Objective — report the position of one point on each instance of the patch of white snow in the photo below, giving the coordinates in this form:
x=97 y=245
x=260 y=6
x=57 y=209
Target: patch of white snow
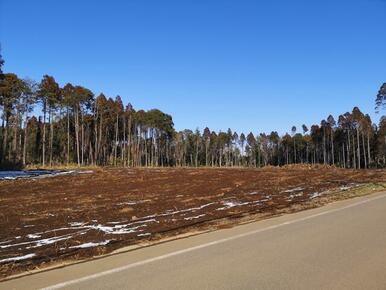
x=19 y=258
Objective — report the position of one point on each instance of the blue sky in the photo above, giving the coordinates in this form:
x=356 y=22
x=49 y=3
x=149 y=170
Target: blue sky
x=248 y=65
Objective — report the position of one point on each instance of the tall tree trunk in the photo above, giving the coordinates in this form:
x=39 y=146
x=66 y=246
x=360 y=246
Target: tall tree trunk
x=25 y=140
x=358 y=149
x=2 y=153
x=196 y=157
x=348 y=165
x=68 y=136
x=220 y=158
x=124 y=143
x=77 y=134
x=82 y=137
x=324 y=147
x=129 y=143
x=206 y=153
x=14 y=141
x=100 y=138
x=364 y=150
x=354 y=153
x=307 y=160
x=116 y=141
x=332 y=147
x=349 y=160
x=44 y=136
x=287 y=154
x=294 y=151
x=368 y=148
x=51 y=121
x=344 y=159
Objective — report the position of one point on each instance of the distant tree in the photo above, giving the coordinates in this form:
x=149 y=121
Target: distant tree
x=1 y=66
x=380 y=101
x=82 y=101
x=357 y=117
x=251 y=140
x=325 y=129
x=316 y=138
x=229 y=144
x=213 y=148
x=10 y=92
x=368 y=132
x=118 y=111
x=222 y=139
x=68 y=100
x=236 y=156
x=197 y=141
x=49 y=94
x=305 y=130
x=293 y=131
x=101 y=114
x=206 y=137
x=129 y=116
x=105 y=131
x=286 y=141
x=331 y=124
x=242 y=143
x=26 y=106
x=381 y=143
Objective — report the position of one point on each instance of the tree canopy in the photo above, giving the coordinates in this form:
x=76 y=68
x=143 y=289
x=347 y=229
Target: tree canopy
x=43 y=123
x=380 y=101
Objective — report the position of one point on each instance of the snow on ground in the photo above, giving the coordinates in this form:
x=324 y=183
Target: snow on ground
x=315 y=195
x=133 y=202
x=52 y=240
x=127 y=203
x=230 y=204
x=82 y=228
x=136 y=226
x=32 y=236
x=292 y=196
x=42 y=242
x=194 y=217
x=293 y=190
x=117 y=229
x=4 y=242
x=318 y=194
x=192 y=209
x=13 y=259
x=348 y=186
x=76 y=224
x=144 y=235
x=16 y=174
x=90 y=245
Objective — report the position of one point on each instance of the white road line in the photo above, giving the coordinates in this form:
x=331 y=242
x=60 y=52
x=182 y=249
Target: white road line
x=151 y=260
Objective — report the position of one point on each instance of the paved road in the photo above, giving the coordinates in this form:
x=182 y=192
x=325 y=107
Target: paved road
x=339 y=246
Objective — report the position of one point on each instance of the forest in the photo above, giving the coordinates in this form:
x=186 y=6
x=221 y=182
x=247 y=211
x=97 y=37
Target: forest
x=46 y=125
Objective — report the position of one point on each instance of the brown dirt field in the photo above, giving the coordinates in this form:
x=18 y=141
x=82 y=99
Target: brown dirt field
x=69 y=217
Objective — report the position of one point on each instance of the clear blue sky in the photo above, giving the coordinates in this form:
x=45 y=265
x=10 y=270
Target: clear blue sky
x=249 y=65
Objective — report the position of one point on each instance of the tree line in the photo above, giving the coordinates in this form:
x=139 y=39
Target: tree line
x=45 y=124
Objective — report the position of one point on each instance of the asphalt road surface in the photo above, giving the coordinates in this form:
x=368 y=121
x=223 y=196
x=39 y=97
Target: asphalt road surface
x=338 y=246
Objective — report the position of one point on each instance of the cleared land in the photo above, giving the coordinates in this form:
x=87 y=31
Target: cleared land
x=79 y=216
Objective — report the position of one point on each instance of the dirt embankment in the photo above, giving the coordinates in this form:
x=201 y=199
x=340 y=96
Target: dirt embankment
x=78 y=216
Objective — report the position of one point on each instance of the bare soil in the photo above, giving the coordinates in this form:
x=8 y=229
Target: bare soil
x=44 y=221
